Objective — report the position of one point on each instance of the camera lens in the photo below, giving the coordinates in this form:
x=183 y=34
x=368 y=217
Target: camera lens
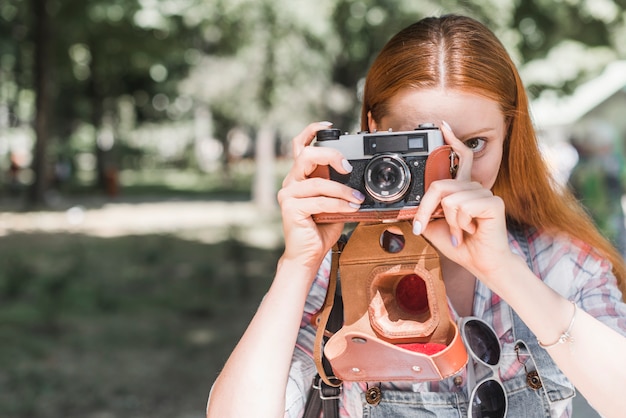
x=387 y=178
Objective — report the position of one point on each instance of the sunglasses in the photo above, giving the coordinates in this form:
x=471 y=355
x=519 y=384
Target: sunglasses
x=488 y=397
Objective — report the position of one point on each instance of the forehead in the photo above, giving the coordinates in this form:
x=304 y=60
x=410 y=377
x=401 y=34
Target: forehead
x=464 y=111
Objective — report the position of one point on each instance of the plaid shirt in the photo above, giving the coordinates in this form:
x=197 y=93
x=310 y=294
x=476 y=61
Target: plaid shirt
x=570 y=267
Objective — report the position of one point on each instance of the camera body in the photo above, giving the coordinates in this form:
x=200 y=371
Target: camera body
x=388 y=167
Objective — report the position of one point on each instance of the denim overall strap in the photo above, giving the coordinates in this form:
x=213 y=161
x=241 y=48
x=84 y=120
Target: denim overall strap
x=554 y=383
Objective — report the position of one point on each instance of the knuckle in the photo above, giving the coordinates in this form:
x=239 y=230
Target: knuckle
x=287 y=181
x=436 y=186
x=288 y=205
x=309 y=154
x=476 y=185
x=447 y=205
x=466 y=153
x=499 y=201
x=307 y=151
x=280 y=196
x=320 y=183
x=320 y=206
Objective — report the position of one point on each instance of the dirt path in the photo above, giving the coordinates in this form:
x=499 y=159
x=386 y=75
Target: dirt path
x=207 y=221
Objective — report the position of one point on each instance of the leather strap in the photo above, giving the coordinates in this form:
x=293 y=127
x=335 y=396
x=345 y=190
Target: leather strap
x=322 y=398
x=313 y=405
x=326 y=389
x=322 y=320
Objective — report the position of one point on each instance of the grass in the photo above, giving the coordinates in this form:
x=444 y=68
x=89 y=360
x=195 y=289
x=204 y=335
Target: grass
x=136 y=326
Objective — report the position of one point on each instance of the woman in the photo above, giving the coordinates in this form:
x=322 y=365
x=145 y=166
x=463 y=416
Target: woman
x=454 y=72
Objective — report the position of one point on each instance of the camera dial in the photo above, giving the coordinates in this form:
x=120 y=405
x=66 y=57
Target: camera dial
x=328 y=134
x=387 y=178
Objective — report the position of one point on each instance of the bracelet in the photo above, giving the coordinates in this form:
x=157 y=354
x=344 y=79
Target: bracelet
x=566 y=336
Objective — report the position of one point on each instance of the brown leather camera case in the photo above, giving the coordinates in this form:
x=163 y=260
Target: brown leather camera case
x=371 y=346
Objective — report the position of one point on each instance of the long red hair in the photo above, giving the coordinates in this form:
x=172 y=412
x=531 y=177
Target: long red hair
x=458 y=52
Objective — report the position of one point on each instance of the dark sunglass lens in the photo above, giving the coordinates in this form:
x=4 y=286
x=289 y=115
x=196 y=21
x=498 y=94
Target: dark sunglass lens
x=489 y=400
x=483 y=342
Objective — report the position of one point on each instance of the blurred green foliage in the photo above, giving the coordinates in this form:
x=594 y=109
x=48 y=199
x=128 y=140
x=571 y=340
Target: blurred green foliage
x=157 y=83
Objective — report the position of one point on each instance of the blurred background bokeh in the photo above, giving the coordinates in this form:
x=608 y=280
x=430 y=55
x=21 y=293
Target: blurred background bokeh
x=141 y=146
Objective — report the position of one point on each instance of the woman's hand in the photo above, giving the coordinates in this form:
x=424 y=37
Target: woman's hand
x=302 y=196
x=473 y=233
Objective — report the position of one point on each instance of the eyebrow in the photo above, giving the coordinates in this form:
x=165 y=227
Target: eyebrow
x=478 y=132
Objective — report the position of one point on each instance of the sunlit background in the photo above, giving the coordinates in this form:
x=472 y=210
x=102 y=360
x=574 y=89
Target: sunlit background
x=141 y=146
x=123 y=94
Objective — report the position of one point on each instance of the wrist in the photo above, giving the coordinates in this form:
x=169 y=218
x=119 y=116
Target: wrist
x=291 y=285
x=566 y=336
x=296 y=268
x=498 y=276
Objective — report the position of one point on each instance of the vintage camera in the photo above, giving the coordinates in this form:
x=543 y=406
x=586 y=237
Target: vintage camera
x=388 y=167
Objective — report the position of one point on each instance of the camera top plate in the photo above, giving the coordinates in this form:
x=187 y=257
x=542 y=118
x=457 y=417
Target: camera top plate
x=365 y=145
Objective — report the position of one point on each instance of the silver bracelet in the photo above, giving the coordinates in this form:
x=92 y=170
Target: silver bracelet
x=566 y=337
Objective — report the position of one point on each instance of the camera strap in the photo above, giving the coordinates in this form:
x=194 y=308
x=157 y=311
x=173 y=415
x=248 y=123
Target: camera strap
x=326 y=389
x=325 y=328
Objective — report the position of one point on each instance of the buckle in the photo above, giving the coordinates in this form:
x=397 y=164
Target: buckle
x=454 y=166
x=330 y=392
x=316 y=382
x=326 y=391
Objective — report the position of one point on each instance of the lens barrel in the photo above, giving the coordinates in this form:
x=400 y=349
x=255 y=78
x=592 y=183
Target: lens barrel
x=387 y=178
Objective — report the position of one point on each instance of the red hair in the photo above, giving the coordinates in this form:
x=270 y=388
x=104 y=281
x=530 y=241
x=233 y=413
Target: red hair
x=458 y=52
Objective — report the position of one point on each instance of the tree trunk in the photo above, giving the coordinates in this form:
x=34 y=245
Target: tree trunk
x=41 y=73
x=264 y=188
x=97 y=113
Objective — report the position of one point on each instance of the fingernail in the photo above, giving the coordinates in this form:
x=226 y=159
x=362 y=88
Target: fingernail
x=346 y=165
x=454 y=241
x=445 y=125
x=326 y=123
x=354 y=205
x=417 y=228
x=358 y=195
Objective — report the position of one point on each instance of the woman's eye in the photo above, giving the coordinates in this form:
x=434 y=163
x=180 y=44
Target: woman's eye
x=476 y=144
